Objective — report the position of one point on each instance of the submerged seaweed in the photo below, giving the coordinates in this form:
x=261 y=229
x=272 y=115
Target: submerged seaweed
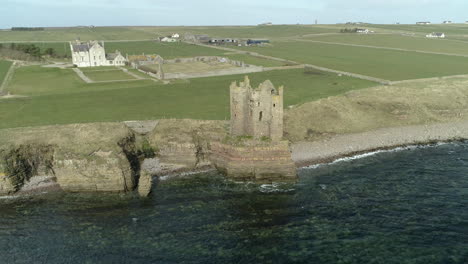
x=393 y=207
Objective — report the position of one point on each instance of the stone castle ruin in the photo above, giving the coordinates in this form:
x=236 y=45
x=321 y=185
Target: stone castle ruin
x=255 y=149
x=257 y=112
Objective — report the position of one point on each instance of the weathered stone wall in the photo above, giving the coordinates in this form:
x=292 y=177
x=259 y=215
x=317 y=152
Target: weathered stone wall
x=261 y=162
x=256 y=112
x=233 y=71
x=207 y=59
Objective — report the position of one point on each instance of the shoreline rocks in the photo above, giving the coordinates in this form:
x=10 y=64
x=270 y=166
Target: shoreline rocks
x=346 y=145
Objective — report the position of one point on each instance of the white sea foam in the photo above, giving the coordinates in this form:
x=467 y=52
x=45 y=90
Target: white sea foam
x=275 y=187
x=183 y=174
x=9 y=197
x=373 y=153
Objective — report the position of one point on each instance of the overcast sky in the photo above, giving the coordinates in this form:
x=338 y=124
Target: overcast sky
x=224 y=12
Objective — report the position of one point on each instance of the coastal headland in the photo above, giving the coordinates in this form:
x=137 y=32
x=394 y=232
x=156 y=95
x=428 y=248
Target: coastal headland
x=64 y=127
x=110 y=157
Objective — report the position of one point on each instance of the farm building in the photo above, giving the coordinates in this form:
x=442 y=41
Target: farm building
x=93 y=54
x=167 y=39
x=362 y=30
x=436 y=35
x=423 y=23
x=224 y=41
x=257 y=41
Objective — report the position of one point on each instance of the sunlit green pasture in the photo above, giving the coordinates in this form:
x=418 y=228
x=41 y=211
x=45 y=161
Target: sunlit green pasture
x=58 y=96
x=386 y=64
x=398 y=41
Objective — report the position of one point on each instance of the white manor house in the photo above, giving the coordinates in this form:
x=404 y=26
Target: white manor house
x=93 y=54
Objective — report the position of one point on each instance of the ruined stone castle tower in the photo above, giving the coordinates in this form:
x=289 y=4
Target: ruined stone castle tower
x=257 y=112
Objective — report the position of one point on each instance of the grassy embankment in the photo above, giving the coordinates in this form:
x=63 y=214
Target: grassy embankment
x=386 y=64
x=4 y=67
x=58 y=96
x=417 y=103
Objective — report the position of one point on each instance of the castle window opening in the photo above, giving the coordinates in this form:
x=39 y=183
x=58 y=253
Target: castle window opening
x=260 y=116
x=258 y=103
x=274 y=105
x=272 y=91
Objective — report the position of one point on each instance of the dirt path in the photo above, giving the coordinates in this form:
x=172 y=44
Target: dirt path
x=429 y=79
x=7 y=78
x=82 y=76
x=385 y=48
x=284 y=67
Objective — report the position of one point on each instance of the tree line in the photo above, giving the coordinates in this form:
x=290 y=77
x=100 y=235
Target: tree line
x=349 y=30
x=32 y=50
x=27 y=29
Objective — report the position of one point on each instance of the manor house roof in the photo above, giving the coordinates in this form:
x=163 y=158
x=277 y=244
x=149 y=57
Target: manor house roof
x=112 y=56
x=81 y=47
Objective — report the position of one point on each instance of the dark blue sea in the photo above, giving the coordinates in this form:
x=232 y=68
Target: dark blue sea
x=406 y=206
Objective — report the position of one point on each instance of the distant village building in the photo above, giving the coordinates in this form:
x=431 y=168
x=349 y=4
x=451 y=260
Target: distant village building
x=175 y=36
x=223 y=41
x=423 y=23
x=167 y=39
x=266 y=24
x=93 y=54
x=447 y=22
x=436 y=35
x=362 y=30
x=257 y=41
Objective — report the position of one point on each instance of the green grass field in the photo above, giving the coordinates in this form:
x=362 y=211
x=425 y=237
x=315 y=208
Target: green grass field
x=116 y=75
x=398 y=41
x=4 y=67
x=147 y=33
x=166 y=50
x=100 y=69
x=385 y=64
x=449 y=29
x=59 y=97
x=69 y=34
x=38 y=81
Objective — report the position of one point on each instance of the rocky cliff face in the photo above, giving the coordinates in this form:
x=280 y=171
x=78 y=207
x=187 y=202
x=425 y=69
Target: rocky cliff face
x=104 y=157
x=83 y=157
